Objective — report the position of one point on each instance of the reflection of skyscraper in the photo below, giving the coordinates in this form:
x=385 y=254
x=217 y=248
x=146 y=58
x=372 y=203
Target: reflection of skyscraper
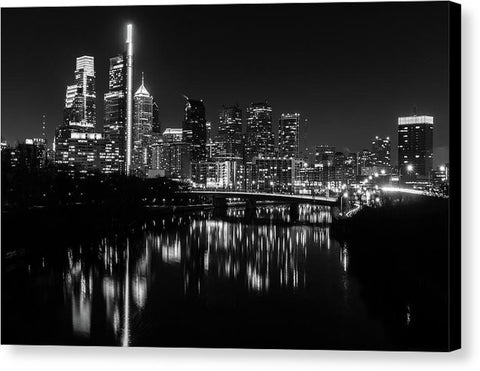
x=142 y=129
x=115 y=116
x=288 y=135
x=260 y=138
x=195 y=129
x=415 y=145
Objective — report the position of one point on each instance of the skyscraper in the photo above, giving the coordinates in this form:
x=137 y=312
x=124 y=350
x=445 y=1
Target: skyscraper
x=77 y=146
x=142 y=130
x=80 y=97
x=381 y=150
x=195 y=130
x=289 y=135
x=230 y=130
x=129 y=96
x=415 y=145
x=156 y=119
x=115 y=116
x=260 y=139
x=324 y=158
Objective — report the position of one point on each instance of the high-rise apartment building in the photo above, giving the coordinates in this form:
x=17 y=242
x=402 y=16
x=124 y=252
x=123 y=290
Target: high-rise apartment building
x=381 y=151
x=415 y=145
x=230 y=131
x=195 y=129
x=260 y=139
x=289 y=135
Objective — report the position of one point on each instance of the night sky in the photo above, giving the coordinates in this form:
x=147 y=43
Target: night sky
x=351 y=69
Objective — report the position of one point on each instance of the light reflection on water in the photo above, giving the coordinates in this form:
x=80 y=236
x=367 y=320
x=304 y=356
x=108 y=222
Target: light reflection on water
x=116 y=288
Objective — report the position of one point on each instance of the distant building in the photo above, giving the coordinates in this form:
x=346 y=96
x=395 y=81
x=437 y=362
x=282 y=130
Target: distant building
x=170 y=155
x=260 y=139
x=415 y=146
x=77 y=146
x=381 y=153
x=195 y=129
x=115 y=116
x=230 y=131
x=80 y=98
x=156 y=126
x=351 y=168
x=173 y=135
x=273 y=174
x=223 y=173
x=142 y=130
x=324 y=159
x=339 y=169
x=289 y=135
x=365 y=163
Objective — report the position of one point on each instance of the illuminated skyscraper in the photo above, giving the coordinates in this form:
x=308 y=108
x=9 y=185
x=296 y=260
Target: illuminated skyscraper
x=129 y=96
x=415 y=145
x=260 y=141
x=80 y=97
x=289 y=135
x=156 y=119
x=77 y=146
x=230 y=131
x=381 y=150
x=115 y=116
x=195 y=129
x=324 y=159
x=142 y=130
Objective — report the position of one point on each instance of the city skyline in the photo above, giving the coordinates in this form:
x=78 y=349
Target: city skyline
x=364 y=116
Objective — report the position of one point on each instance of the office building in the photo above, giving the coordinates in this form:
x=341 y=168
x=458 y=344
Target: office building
x=230 y=131
x=415 y=146
x=142 y=130
x=289 y=135
x=260 y=139
x=115 y=116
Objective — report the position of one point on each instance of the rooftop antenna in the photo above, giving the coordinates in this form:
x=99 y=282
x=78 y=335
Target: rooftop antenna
x=414 y=110
x=142 y=78
x=43 y=129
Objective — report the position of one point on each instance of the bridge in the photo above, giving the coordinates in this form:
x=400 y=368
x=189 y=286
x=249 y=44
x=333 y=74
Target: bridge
x=219 y=199
x=264 y=196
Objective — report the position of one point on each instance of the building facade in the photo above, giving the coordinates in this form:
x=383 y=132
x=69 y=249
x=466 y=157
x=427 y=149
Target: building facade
x=260 y=139
x=230 y=131
x=289 y=135
x=415 y=146
x=381 y=152
x=142 y=130
x=115 y=116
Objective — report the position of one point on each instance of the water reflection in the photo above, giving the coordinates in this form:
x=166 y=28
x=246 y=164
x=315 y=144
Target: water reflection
x=109 y=286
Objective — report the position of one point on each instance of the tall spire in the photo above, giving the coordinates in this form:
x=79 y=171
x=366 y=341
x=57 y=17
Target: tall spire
x=129 y=45
x=142 y=90
x=43 y=129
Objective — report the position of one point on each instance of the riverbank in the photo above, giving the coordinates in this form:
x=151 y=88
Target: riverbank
x=401 y=254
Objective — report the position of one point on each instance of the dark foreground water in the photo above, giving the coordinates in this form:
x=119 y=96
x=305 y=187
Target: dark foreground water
x=197 y=280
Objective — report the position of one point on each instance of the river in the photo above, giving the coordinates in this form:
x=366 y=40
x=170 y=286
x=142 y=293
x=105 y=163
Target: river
x=196 y=279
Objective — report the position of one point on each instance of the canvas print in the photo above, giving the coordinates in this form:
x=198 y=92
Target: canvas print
x=238 y=176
